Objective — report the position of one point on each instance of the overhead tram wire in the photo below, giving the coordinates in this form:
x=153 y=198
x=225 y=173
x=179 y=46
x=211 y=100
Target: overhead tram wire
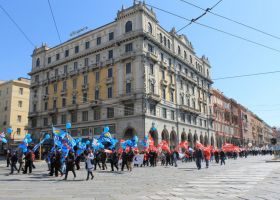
x=195 y=19
x=246 y=75
x=216 y=29
x=18 y=27
x=54 y=21
x=232 y=20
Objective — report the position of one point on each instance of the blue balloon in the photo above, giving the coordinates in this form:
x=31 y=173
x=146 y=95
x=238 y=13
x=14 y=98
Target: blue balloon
x=87 y=142
x=47 y=136
x=68 y=125
x=29 y=140
x=9 y=130
x=153 y=129
x=106 y=129
x=24 y=150
x=28 y=136
x=4 y=140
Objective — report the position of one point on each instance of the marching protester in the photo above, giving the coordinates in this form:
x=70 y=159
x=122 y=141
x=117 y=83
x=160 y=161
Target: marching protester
x=124 y=160
x=8 y=157
x=198 y=157
x=113 y=158
x=207 y=157
x=129 y=160
x=89 y=164
x=103 y=158
x=20 y=161
x=222 y=157
x=70 y=164
x=13 y=163
x=28 y=160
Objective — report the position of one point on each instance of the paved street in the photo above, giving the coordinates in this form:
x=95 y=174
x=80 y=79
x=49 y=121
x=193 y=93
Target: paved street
x=244 y=179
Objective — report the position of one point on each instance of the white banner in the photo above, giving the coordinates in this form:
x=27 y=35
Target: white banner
x=138 y=159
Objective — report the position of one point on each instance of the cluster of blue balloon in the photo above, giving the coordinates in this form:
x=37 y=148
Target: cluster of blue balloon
x=2 y=135
x=145 y=142
x=46 y=137
x=24 y=144
x=105 y=140
x=130 y=143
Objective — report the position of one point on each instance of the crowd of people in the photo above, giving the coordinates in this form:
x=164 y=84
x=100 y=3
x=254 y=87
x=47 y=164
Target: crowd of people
x=98 y=160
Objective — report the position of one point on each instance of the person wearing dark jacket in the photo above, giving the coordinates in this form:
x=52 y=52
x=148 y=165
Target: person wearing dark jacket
x=198 y=157
x=216 y=155
x=103 y=158
x=28 y=160
x=70 y=164
x=8 y=157
x=97 y=156
x=113 y=158
x=130 y=156
x=222 y=157
x=57 y=163
x=175 y=156
x=124 y=160
x=14 y=160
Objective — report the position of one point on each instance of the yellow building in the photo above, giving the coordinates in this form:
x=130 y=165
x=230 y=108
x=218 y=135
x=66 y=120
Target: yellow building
x=14 y=106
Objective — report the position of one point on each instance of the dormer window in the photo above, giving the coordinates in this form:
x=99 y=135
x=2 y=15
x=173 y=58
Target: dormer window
x=38 y=62
x=150 y=28
x=128 y=26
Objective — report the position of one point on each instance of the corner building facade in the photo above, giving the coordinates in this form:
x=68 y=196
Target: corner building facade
x=131 y=75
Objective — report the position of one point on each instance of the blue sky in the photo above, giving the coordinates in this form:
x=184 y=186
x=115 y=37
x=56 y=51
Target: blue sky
x=228 y=56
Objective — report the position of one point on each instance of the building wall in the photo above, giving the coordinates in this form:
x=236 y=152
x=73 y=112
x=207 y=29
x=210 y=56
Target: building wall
x=14 y=105
x=174 y=56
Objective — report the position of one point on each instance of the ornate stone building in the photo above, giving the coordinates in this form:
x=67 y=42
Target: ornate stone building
x=131 y=75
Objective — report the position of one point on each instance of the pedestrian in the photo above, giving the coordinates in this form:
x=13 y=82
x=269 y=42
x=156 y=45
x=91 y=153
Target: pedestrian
x=207 y=156
x=20 y=161
x=198 y=157
x=28 y=160
x=89 y=164
x=216 y=155
x=103 y=158
x=175 y=156
x=70 y=164
x=97 y=155
x=130 y=156
x=77 y=162
x=113 y=158
x=222 y=157
x=57 y=163
x=8 y=157
x=124 y=160
x=13 y=163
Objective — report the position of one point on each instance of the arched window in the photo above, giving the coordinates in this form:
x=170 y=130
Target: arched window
x=150 y=28
x=168 y=44
x=164 y=40
x=179 y=50
x=128 y=26
x=38 y=62
x=160 y=38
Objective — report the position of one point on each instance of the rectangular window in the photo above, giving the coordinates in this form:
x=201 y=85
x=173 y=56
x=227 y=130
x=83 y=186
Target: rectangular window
x=163 y=74
x=97 y=58
x=161 y=56
x=55 y=88
x=96 y=113
x=96 y=95
x=65 y=69
x=86 y=62
x=98 y=41
x=153 y=109
x=54 y=104
x=63 y=102
x=21 y=91
x=57 y=56
x=183 y=117
x=128 y=68
x=34 y=123
x=74 y=83
x=152 y=88
x=76 y=49
x=111 y=36
x=20 y=104
x=85 y=116
x=128 y=109
x=110 y=112
x=64 y=85
x=63 y=119
x=97 y=77
x=110 y=92
x=74 y=117
x=169 y=62
x=66 y=53
x=74 y=99
x=46 y=123
x=150 y=48
x=85 y=79
x=189 y=119
x=54 y=120
x=49 y=60
x=46 y=106
x=85 y=97
x=172 y=96
x=164 y=113
x=85 y=132
x=19 y=118
x=36 y=80
x=172 y=115
x=18 y=131
x=75 y=66
x=128 y=47
x=110 y=54
x=128 y=88
x=151 y=69
x=163 y=93
x=171 y=79
x=87 y=45
x=110 y=72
